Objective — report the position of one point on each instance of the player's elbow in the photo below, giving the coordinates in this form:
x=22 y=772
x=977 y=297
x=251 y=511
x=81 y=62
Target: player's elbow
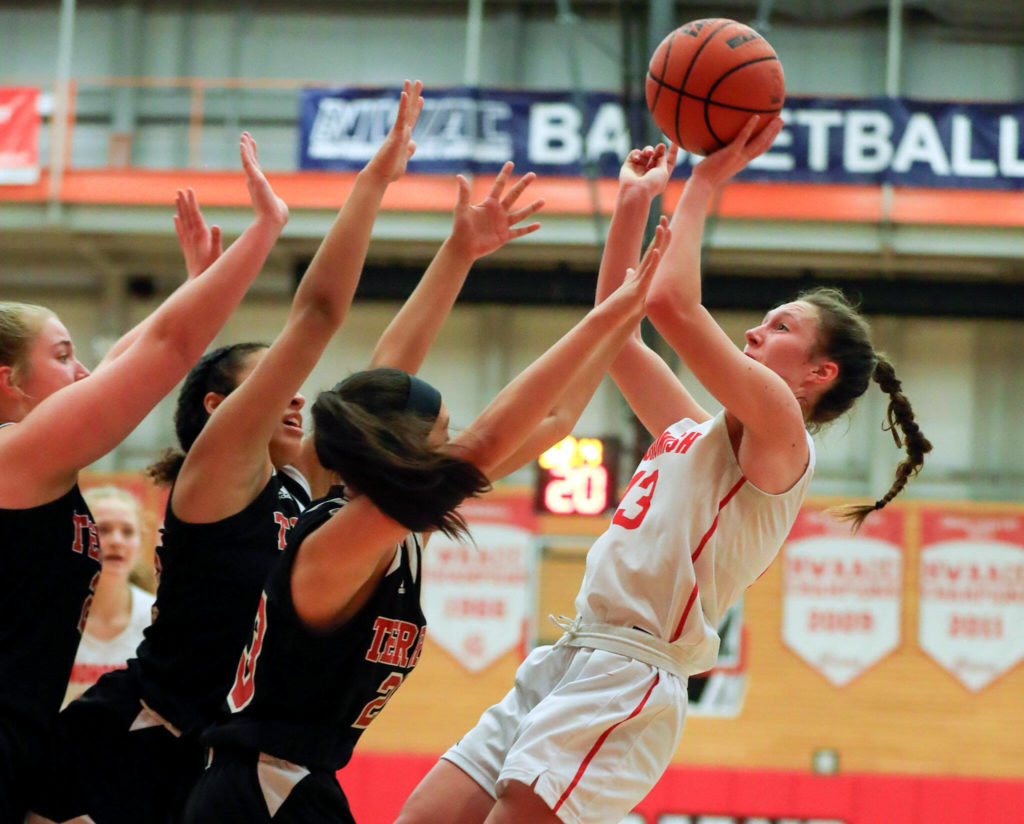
x=665 y=305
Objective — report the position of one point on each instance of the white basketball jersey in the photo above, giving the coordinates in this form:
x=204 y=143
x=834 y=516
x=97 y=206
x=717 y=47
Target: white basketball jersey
x=689 y=536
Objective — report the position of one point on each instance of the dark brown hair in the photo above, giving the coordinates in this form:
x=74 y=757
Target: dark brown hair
x=364 y=430
x=217 y=371
x=844 y=337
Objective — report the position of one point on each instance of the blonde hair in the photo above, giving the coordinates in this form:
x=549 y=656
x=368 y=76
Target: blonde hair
x=19 y=325
x=139 y=575
x=100 y=493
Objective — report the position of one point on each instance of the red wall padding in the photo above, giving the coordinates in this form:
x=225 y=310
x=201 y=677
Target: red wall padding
x=376 y=785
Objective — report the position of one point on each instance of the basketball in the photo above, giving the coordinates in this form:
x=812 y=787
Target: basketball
x=707 y=78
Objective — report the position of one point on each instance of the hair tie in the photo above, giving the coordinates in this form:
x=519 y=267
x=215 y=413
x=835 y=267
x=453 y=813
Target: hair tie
x=423 y=399
x=880 y=503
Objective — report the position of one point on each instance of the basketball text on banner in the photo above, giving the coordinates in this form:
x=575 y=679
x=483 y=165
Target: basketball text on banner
x=19 y=136
x=478 y=595
x=867 y=141
x=972 y=592
x=842 y=593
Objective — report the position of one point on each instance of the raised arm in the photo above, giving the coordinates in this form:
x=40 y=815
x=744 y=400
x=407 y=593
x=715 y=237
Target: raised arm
x=229 y=463
x=478 y=230
x=339 y=564
x=751 y=392
x=202 y=245
x=567 y=373
x=82 y=422
x=651 y=388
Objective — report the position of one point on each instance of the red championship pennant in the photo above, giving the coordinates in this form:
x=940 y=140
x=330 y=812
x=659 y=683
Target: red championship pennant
x=972 y=592
x=842 y=593
x=478 y=595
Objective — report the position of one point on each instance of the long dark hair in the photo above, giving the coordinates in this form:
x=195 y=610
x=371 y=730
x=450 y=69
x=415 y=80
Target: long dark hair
x=364 y=430
x=217 y=371
x=844 y=337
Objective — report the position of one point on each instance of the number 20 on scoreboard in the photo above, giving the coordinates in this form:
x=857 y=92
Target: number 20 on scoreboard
x=577 y=476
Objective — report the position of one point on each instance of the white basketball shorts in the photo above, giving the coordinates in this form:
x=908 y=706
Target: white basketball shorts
x=591 y=731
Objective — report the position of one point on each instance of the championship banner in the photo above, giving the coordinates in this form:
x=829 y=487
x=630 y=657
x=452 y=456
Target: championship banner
x=842 y=593
x=19 y=136
x=972 y=593
x=478 y=595
x=878 y=140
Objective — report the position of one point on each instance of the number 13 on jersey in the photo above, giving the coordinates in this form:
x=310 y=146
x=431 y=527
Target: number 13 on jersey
x=636 y=500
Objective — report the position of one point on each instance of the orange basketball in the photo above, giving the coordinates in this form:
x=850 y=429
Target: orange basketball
x=707 y=78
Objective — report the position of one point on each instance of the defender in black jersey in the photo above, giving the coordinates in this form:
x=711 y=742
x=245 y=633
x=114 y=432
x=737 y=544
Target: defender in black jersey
x=339 y=625
x=146 y=719
x=303 y=697
x=228 y=513
x=50 y=563
x=67 y=419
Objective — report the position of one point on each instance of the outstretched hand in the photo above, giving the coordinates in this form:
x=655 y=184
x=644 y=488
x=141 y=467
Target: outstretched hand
x=265 y=203
x=649 y=169
x=481 y=228
x=201 y=244
x=391 y=158
x=632 y=293
x=721 y=165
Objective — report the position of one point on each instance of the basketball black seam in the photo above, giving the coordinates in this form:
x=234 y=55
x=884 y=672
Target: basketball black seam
x=689 y=68
x=698 y=98
x=711 y=91
x=664 y=65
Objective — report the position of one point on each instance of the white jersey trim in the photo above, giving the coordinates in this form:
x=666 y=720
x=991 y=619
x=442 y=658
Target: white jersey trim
x=298 y=477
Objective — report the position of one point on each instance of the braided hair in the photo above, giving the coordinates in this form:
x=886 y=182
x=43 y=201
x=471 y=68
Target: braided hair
x=369 y=431
x=217 y=371
x=844 y=337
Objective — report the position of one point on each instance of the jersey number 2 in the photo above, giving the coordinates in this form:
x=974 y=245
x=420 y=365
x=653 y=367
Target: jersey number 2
x=637 y=505
x=245 y=679
x=386 y=690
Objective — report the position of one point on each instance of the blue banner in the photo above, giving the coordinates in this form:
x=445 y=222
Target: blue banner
x=825 y=140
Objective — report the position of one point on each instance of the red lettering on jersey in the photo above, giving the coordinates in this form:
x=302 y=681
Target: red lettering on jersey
x=245 y=677
x=686 y=441
x=670 y=443
x=87 y=603
x=389 y=655
x=371 y=710
x=284 y=523
x=643 y=503
x=381 y=629
x=397 y=651
x=415 y=657
x=86 y=536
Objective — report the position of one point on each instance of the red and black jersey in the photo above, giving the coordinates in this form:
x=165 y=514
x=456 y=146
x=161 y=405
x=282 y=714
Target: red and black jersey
x=306 y=695
x=211 y=576
x=49 y=566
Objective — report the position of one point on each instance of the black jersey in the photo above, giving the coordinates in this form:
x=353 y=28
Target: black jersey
x=306 y=696
x=211 y=576
x=49 y=566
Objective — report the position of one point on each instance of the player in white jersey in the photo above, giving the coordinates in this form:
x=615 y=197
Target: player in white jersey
x=593 y=721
